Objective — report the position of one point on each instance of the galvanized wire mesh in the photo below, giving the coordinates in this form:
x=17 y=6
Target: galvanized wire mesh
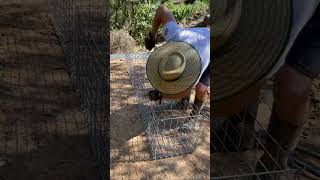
x=239 y=143
x=171 y=128
x=127 y=137
x=82 y=27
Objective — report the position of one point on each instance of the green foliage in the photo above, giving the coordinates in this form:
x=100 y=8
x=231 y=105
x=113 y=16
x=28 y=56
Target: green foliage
x=184 y=11
x=136 y=16
x=119 y=14
x=142 y=22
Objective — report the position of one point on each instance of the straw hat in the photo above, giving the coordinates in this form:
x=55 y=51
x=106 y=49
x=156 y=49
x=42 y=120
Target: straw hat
x=248 y=38
x=173 y=67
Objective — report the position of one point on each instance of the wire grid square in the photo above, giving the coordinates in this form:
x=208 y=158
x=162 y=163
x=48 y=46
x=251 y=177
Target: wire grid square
x=164 y=123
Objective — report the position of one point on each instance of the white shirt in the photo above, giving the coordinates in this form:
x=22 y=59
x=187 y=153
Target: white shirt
x=302 y=13
x=199 y=38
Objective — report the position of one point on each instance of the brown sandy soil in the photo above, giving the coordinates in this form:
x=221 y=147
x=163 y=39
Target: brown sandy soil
x=128 y=142
x=42 y=134
x=310 y=137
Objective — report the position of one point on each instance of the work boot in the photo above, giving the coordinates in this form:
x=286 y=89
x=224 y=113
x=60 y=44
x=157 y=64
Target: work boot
x=196 y=107
x=237 y=132
x=190 y=123
x=226 y=136
x=247 y=127
x=183 y=103
x=285 y=138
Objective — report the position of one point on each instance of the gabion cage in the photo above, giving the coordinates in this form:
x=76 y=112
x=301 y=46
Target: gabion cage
x=171 y=128
x=237 y=145
x=82 y=27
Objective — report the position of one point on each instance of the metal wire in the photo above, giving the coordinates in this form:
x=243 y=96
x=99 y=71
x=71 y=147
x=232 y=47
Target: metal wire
x=238 y=145
x=82 y=27
x=163 y=123
x=38 y=108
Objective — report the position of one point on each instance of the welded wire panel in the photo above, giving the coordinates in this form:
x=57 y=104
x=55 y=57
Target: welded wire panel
x=142 y=129
x=238 y=144
x=164 y=123
x=82 y=26
x=40 y=122
x=128 y=141
x=35 y=89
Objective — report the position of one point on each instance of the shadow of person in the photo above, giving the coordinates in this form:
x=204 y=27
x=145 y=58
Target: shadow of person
x=66 y=157
x=128 y=142
x=125 y=124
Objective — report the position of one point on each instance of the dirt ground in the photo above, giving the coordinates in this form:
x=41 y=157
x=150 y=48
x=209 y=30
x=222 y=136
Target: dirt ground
x=42 y=133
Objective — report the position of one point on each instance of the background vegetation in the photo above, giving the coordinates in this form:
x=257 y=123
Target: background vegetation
x=136 y=16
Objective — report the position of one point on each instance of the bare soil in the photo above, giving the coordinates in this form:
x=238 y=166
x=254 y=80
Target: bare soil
x=42 y=134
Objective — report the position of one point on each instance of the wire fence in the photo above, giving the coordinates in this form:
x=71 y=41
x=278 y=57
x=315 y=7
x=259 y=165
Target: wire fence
x=169 y=129
x=172 y=128
x=82 y=27
x=40 y=122
x=240 y=142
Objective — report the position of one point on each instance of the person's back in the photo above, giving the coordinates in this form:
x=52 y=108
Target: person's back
x=198 y=38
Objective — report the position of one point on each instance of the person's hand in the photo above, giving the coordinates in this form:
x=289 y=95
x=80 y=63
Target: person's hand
x=149 y=42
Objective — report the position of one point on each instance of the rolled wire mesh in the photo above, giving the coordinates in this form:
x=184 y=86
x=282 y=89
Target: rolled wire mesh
x=163 y=123
x=82 y=28
x=238 y=145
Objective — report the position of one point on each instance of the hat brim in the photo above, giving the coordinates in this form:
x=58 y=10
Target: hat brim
x=253 y=48
x=186 y=80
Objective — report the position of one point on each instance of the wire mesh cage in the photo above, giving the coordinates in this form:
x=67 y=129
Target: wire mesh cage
x=241 y=148
x=82 y=27
x=171 y=128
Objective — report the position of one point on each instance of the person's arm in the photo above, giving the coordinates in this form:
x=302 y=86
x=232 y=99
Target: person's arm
x=161 y=17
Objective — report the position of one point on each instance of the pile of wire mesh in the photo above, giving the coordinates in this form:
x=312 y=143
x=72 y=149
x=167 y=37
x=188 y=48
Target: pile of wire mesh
x=171 y=127
x=82 y=27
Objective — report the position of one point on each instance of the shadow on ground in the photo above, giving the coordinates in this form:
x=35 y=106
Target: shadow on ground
x=42 y=132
